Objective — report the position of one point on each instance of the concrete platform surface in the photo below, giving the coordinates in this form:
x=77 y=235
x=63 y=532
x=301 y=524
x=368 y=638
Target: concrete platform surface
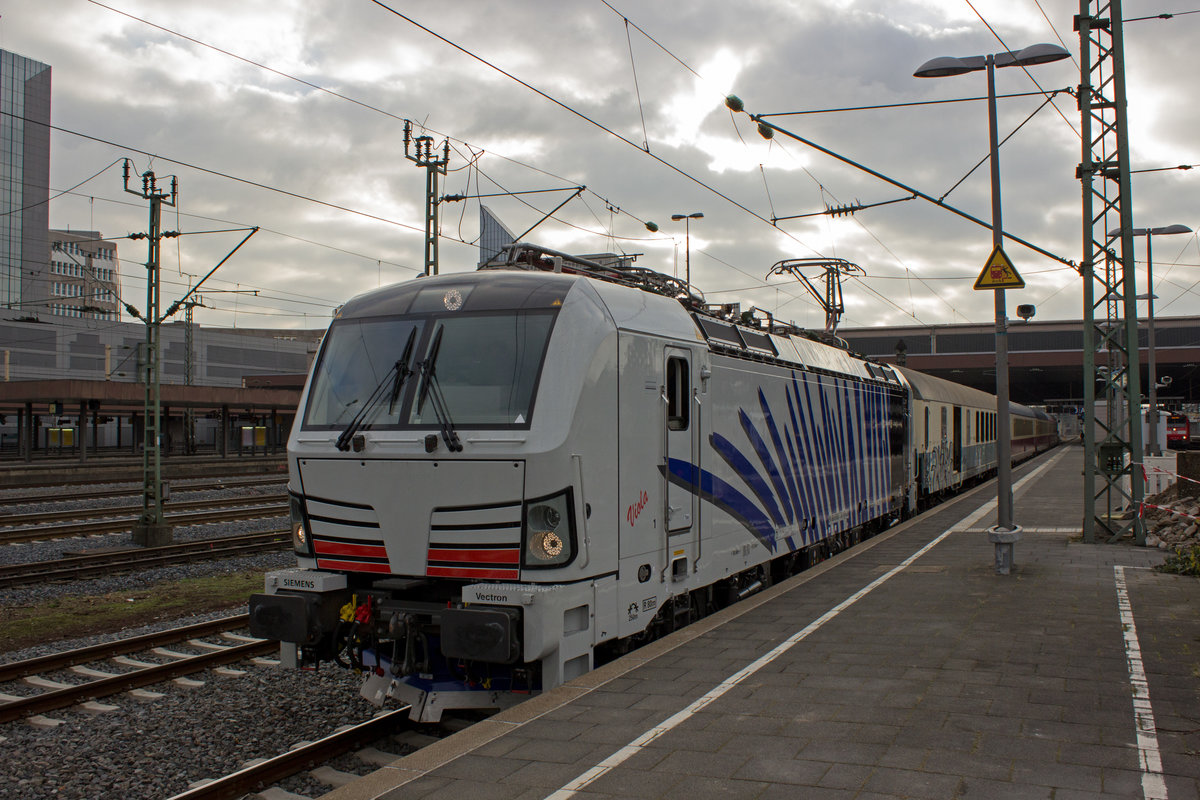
x=904 y=668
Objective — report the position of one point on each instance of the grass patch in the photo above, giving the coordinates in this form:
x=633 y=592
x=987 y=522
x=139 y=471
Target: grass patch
x=1184 y=561
x=72 y=617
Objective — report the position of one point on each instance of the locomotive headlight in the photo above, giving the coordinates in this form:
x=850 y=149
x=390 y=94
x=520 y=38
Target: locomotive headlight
x=301 y=541
x=545 y=546
x=549 y=532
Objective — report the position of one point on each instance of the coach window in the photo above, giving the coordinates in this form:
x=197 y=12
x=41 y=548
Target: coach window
x=926 y=427
x=677 y=394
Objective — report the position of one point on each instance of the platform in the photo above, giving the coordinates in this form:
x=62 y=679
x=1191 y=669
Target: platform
x=905 y=667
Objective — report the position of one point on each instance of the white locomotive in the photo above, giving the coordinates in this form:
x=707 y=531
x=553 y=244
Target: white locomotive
x=497 y=477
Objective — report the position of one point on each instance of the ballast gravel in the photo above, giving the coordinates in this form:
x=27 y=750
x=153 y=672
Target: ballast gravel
x=156 y=748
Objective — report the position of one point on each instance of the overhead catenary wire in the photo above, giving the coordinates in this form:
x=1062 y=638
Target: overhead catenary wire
x=63 y=191
x=331 y=92
x=461 y=238
x=217 y=173
x=315 y=86
x=1024 y=68
x=279 y=233
x=566 y=107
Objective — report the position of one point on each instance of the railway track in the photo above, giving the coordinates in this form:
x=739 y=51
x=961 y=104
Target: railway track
x=304 y=757
x=136 y=491
x=89 y=565
x=28 y=527
x=105 y=684
x=109 y=469
x=39 y=517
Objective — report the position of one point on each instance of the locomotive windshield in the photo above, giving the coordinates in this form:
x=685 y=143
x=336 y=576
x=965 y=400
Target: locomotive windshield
x=486 y=367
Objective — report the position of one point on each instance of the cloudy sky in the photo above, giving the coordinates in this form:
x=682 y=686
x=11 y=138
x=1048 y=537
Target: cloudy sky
x=288 y=115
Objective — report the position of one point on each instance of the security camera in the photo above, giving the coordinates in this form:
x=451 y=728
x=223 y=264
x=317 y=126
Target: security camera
x=1026 y=311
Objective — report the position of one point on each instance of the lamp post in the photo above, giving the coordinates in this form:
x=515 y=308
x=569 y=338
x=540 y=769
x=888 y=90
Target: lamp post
x=945 y=66
x=1152 y=448
x=687 y=234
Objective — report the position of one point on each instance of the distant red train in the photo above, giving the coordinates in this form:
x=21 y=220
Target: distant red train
x=1179 y=432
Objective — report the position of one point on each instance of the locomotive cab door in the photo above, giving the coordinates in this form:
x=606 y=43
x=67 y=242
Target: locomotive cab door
x=680 y=425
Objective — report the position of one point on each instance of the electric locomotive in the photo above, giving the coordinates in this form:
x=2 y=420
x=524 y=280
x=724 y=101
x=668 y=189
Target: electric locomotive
x=498 y=477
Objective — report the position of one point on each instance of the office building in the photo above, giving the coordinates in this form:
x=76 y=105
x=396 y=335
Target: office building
x=24 y=176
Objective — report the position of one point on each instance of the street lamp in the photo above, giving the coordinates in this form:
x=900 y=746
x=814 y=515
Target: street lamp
x=945 y=66
x=1152 y=448
x=687 y=233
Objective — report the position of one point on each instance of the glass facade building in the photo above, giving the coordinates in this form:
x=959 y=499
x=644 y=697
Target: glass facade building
x=24 y=177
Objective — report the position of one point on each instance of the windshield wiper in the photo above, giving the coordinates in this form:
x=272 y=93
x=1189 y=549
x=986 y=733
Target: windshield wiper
x=398 y=374
x=430 y=389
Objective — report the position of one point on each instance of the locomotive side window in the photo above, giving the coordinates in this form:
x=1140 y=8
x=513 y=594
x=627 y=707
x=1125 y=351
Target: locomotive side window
x=677 y=394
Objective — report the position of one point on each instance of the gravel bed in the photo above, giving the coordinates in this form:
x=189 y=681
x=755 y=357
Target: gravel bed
x=135 y=582
x=156 y=748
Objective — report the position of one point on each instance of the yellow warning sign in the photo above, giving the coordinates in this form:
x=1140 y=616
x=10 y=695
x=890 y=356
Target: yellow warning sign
x=999 y=273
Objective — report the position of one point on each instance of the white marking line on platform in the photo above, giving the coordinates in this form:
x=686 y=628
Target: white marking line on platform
x=673 y=721
x=1154 y=787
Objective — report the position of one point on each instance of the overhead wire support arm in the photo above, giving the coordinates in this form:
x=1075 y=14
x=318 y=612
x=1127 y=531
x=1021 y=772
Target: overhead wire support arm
x=454 y=198
x=847 y=210
x=578 y=191
x=176 y=305
x=770 y=126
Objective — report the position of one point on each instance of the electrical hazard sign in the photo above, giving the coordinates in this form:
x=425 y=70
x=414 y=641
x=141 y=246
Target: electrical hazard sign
x=999 y=273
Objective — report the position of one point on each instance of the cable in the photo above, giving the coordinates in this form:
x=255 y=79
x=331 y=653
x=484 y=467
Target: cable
x=264 y=230
x=583 y=116
x=225 y=175
x=1163 y=16
x=1054 y=30
x=60 y=194
x=885 y=106
x=333 y=93
x=985 y=159
x=1023 y=68
x=637 y=89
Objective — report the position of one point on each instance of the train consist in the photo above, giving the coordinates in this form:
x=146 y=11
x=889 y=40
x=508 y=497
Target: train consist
x=498 y=478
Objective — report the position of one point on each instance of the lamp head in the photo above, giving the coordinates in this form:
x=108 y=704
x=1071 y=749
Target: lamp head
x=945 y=66
x=1036 y=54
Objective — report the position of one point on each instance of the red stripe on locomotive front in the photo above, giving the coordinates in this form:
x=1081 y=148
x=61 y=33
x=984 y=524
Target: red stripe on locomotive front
x=469 y=572
x=511 y=557
x=344 y=549
x=353 y=566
